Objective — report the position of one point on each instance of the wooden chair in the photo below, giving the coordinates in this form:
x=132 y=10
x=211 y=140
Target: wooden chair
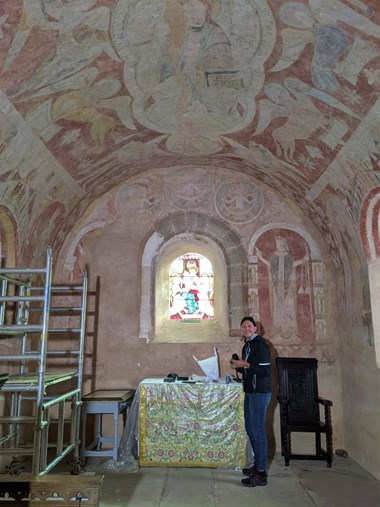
x=300 y=407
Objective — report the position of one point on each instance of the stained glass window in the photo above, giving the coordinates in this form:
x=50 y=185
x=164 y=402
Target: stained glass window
x=191 y=288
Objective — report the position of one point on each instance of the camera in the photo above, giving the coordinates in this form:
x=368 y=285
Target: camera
x=235 y=357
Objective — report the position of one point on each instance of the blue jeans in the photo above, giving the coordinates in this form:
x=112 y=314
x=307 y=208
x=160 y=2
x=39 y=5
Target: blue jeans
x=255 y=412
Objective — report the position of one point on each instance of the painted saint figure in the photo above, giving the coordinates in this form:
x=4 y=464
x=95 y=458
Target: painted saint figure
x=206 y=59
x=200 y=61
x=191 y=288
x=283 y=289
x=193 y=67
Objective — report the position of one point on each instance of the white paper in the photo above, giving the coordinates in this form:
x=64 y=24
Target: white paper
x=209 y=366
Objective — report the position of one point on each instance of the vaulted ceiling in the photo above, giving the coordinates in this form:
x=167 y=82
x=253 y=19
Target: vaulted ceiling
x=94 y=92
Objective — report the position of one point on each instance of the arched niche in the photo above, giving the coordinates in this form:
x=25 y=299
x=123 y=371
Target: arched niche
x=370 y=236
x=174 y=235
x=8 y=240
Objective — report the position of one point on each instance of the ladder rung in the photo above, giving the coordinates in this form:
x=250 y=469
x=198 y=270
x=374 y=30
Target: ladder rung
x=21 y=329
x=29 y=357
x=65 y=330
x=66 y=288
x=5 y=271
x=65 y=309
x=20 y=419
x=7 y=299
x=56 y=353
x=13 y=281
x=18 y=451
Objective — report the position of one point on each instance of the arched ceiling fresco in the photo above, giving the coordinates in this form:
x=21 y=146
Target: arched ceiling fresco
x=93 y=92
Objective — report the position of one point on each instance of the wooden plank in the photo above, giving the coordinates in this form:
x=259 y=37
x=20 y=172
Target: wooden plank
x=109 y=395
x=85 y=480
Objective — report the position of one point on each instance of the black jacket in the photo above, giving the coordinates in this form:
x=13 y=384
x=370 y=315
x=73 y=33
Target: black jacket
x=258 y=377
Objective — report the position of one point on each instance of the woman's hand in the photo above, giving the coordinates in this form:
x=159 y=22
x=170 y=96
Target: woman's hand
x=238 y=363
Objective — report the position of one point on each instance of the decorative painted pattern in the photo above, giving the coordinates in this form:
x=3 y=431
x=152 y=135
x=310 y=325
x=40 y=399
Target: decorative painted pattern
x=239 y=203
x=196 y=425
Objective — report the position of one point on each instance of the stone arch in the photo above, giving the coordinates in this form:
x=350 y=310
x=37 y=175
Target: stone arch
x=8 y=238
x=370 y=237
x=194 y=226
x=285 y=330
x=314 y=250
x=369 y=225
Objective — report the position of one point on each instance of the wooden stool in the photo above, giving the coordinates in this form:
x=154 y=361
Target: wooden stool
x=115 y=402
x=50 y=489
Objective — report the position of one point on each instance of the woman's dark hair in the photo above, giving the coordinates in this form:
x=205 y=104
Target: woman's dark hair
x=247 y=318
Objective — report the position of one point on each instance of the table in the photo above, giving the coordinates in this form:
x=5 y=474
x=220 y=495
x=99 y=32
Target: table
x=191 y=424
x=101 y=402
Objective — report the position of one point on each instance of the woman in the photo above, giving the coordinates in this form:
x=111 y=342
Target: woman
x=257 y=379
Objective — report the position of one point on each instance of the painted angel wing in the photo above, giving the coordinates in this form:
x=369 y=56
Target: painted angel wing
x=331 y=11
x=298 y=87
x=293 y=43
x=75 y=82
x=32 y=15
x=122 y=106
x=268 y=111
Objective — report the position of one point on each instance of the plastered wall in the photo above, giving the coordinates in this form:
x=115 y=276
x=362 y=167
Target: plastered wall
x=111 y=239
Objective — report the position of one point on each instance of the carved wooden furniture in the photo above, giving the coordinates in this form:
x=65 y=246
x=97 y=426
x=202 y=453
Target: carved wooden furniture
x=102 y=402
x=50 y=489
x=300 y=407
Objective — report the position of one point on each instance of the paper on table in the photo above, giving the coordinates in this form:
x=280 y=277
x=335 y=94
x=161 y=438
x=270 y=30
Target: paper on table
x=209 y=366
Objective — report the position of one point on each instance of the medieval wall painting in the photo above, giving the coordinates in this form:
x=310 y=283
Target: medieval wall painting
x=250 y=82
x=194 y=67
x=286 y=290
x=239 y=202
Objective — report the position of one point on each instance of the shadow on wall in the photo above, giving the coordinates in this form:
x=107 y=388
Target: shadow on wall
x=271 y=433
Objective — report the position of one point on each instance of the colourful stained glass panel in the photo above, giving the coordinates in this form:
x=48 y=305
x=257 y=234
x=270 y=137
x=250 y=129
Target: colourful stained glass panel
x=191 y=288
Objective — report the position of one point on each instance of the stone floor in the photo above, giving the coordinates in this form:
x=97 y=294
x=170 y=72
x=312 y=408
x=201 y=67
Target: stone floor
x=302 y=484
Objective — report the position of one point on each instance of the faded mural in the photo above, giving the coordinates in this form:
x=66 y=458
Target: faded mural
x=94 y=92
x=194 y=67
x=260 y=118
x=286 y=273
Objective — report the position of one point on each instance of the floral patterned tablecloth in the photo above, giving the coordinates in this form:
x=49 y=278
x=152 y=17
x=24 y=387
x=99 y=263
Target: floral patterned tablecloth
x=184 y=424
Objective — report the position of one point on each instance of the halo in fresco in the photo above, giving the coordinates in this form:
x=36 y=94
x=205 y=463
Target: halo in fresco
x=194 y=67
x=239 y=203
x=188 y=188
x=138 y=197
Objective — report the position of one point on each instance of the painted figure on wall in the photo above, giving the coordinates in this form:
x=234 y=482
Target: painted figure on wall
x=189 y=69
x=294 y=100
x=80 y=31
x=334 y=55
x=285 y=283
x=205 y=59
x=197 y=75
x=191 y=288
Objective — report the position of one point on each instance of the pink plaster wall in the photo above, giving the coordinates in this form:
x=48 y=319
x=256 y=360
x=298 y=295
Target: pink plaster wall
x=110 y=242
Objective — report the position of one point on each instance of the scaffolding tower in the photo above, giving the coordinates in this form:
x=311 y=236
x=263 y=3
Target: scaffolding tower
x=42 y=331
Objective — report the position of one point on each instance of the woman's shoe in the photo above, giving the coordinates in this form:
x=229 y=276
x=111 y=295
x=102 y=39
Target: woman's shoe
x=255 y=480
x=253 y=471
x=249 y=470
